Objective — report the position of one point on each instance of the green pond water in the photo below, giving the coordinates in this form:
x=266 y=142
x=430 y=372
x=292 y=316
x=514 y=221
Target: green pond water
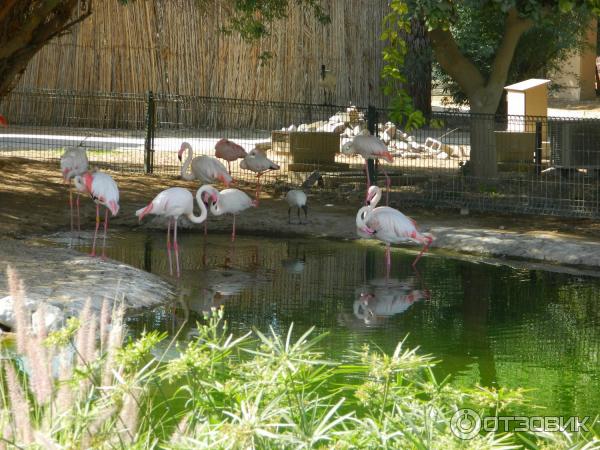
x=488 y=324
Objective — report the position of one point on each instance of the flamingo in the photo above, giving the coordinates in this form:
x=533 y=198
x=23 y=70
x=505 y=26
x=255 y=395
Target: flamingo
x=369 y=147
x=104 y=191
x=173 y=203
x=205 y=168
x=257 y=162
x=296 y=199
x=388 y=225
x=73 y=162
x=229 y=151
x=231 y=201
x=3 y=121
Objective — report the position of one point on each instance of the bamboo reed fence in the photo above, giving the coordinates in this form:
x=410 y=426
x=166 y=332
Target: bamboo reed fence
x=176 y=48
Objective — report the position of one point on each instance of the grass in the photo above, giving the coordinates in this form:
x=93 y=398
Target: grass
x=84 y=386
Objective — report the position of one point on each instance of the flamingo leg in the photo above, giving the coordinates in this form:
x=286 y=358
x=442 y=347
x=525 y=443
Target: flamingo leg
x=205 y=228
x=388 y=184
x=78 y=216
x=368 y=179
x=388 y=261
x=71 y=204
x=176 y=245
x=233 y=232
x=258 y=187
x=229 y=167
x=425 y=248
x=96 y=232
x=105 y=230
x=290 y=215
x=169 y=247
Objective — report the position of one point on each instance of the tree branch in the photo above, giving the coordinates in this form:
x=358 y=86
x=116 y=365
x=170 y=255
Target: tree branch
x=457 y=65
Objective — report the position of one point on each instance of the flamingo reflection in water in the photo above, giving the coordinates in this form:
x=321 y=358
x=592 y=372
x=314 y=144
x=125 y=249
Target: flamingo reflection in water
x=383 y=298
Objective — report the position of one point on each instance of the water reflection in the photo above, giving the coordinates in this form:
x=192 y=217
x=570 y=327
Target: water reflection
x=491 y=325
x=384 y=297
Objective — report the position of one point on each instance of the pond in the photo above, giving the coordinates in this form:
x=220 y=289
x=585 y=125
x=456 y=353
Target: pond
x=488 y=324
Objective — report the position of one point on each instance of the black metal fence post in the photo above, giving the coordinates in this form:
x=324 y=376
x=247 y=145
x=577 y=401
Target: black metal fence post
x=538 y=147
x=150 y=128
x=372 y=119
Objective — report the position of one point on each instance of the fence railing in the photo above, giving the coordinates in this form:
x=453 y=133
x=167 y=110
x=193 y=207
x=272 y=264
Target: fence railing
x=545 y=165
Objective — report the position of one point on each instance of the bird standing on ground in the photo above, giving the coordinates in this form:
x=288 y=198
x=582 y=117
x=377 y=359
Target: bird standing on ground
x=231 y=201
x=104 y=191
x=73 y=162
x=229 y=151
x=257 y=162
x=205 y=168
x=173 y=203
x=369 y=147
x=296 y=199
x=388 y=225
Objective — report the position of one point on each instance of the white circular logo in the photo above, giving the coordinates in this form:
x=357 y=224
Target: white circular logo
x=465 y=424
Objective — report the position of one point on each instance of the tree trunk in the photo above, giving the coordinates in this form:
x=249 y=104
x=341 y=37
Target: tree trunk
x=417 y=66
x=483 y=146
x=29 y=25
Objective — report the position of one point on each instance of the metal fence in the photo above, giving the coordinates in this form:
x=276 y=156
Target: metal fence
x=545 y=165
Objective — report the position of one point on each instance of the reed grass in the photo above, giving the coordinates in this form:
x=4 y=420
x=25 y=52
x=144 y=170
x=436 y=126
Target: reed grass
x=89 y=387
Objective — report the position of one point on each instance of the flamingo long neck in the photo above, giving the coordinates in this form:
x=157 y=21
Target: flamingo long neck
x=189 y=176
x=375 y=200
x=203 y=211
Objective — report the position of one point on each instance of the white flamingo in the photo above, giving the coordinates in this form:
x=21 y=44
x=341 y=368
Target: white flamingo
x=231 y=201
x=369 y=147
x=173 y=203
x=205 y=168
x=73 y=162
x=296 y=199
x=389 y=225
x=104 y=191
x=229 y=151
x=257 y=162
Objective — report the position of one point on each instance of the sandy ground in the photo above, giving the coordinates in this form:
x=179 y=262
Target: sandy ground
x=33 y=201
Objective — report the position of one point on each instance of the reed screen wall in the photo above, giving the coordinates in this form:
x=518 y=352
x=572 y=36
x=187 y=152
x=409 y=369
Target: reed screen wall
x=174 y=47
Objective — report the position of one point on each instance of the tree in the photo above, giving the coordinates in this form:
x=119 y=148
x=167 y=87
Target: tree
x=28 y=25
x=482 y=89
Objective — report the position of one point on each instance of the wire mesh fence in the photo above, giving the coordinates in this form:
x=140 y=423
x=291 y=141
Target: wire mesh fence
x=544 y=165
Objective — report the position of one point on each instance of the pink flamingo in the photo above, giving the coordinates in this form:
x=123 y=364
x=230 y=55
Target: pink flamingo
x=73 y=162
x=104 y=191
x=205 y=168
x=257 y=162
x=229 y=151
x=173 y=203
x=231 y=201
x=389 y=225
x=370 y=147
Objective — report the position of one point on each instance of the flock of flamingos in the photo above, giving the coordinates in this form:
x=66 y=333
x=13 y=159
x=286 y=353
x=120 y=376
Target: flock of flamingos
x=382 y=223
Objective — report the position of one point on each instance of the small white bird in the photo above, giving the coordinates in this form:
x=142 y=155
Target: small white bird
x=204 y=168
x=73 y=162
x=388 y=225
x=257 y=162
x=173 y=203
x=296 y=199
x=104 y=191
x=231 y=201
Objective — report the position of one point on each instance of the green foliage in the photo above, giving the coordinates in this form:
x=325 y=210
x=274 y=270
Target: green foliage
x=396 y=24
x=255 y=391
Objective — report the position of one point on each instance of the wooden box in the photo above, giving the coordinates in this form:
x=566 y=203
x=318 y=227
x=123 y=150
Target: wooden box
x=318 y=147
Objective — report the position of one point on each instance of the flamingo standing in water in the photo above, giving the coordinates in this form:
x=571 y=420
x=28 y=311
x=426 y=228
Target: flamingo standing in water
x=231 y=201
x=173 y=203
x=229 y=151
x=370 y=147
x=104 y=191
x=257 y=162
x=73 y=162
x=205 y=168
x=389 y=225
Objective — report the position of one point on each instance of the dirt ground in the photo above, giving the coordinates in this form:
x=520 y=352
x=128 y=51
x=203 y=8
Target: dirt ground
x=33 y=201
